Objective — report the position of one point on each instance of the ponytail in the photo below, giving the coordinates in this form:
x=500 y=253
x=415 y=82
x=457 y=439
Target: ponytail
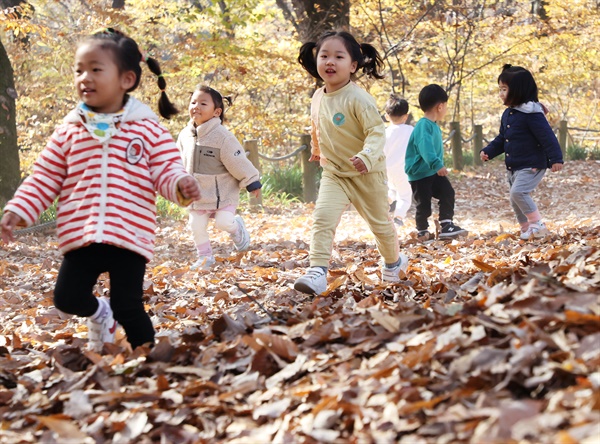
x=373 y=64
x=307 y=58
x=165 y=107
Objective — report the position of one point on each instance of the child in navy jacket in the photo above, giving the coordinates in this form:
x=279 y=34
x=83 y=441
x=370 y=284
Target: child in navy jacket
x=529 y=144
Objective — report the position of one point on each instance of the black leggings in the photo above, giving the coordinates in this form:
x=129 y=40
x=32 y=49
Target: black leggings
x=78 y=275
x=435 y=186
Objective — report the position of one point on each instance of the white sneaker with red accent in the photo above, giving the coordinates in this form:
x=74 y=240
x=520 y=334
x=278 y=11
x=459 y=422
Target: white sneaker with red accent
x=101 y=331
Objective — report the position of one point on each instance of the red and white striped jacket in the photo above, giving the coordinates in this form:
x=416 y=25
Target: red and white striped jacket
x=106 y=191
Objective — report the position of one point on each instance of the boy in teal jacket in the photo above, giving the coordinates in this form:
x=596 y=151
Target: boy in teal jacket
x=425 y=168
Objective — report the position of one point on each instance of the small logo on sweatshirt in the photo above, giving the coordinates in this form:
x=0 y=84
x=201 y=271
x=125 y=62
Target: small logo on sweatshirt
x=339 y=119
x=135 y=151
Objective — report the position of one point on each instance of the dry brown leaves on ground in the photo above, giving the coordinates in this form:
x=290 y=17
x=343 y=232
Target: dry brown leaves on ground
x=488 y=339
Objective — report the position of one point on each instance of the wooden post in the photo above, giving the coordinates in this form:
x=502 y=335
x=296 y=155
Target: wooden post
x=477 y=144
x=457 y=157
x=251 y=147
x=309 y=171
x=562 y=137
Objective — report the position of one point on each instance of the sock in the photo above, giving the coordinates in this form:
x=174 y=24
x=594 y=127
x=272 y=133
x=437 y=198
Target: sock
x=102 y=310
x=204 y=249
x=395 y=264
x=445 y=221
x=322 y=268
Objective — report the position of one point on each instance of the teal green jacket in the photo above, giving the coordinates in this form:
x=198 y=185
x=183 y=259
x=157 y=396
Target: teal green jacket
x=425 y=150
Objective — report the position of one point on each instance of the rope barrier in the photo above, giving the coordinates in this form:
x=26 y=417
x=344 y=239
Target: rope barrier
x=35 y=228
x=449 y=136
x=467 y=140
x=287 y=156
x=584 y=129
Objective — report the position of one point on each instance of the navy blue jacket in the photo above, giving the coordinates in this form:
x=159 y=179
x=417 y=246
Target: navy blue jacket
x=527 y=140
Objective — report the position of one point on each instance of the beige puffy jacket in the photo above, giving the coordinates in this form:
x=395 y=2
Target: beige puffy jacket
x=213 y=155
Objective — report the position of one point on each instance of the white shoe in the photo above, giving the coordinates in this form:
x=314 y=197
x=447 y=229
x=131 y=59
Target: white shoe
x=393 y=274
x=241 y=241
x=536 y=230
x=203 y=263
x=314 y=281
x=101 y=330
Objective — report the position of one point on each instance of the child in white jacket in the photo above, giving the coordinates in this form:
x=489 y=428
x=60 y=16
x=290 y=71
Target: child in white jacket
x=397 y=135
x=213 y=155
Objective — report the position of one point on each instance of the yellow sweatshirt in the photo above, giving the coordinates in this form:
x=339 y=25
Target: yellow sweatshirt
x=347 y=123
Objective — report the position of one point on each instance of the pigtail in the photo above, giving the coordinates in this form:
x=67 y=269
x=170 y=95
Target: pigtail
x=165 y=107
x=307 y=59
x=373 y=63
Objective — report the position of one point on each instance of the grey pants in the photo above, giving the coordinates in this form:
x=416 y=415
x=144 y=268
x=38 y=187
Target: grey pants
x=522 y=183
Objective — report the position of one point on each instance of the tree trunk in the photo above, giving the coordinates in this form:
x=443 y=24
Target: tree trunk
x=311 y=18
x=10 y=171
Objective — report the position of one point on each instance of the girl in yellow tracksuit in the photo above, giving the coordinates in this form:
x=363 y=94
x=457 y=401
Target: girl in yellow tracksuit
x=348 y=136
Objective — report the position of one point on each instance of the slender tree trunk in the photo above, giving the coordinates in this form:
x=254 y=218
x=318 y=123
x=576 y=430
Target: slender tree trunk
x=10 y=171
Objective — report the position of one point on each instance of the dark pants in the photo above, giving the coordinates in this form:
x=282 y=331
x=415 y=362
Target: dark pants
x=423 y=190
x=78 y=275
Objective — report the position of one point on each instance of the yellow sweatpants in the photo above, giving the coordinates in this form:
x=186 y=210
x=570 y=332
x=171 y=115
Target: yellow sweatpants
x=368 y=194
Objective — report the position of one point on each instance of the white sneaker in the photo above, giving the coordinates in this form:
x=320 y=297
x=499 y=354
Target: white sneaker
x=536 y=230
x=101 y=330
x=241 y=241
x=393 y=274
x=314 y=281
x=203 y=263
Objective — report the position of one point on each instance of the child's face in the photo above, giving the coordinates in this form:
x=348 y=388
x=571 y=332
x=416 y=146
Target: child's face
x=334 y=64
x=202 y=108
x=98 y=81
x=503 y=91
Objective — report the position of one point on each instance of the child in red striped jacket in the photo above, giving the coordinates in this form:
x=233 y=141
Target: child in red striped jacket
x=105 y=163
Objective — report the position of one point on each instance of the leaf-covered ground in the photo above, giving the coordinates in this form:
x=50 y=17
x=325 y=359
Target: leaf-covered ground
x=489 y=338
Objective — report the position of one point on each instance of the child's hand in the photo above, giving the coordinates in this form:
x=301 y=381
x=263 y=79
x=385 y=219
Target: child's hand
x=189 y=189
x=359 y=165
x=442 y=171
x=314 y=158
x=255 y=193
x=556 y=167
x=484 y=157
x=7 y=224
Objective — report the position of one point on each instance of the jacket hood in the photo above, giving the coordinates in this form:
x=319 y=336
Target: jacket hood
x=134 y=110
x=530 y=107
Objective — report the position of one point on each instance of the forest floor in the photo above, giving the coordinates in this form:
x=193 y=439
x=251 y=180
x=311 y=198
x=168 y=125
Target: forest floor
x=488 y=338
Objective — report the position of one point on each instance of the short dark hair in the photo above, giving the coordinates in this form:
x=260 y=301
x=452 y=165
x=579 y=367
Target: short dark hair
x=396 y=106
x=521 y=85
x=431 y=96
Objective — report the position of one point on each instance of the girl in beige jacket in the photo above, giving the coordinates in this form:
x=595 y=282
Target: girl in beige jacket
x=213 y=155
